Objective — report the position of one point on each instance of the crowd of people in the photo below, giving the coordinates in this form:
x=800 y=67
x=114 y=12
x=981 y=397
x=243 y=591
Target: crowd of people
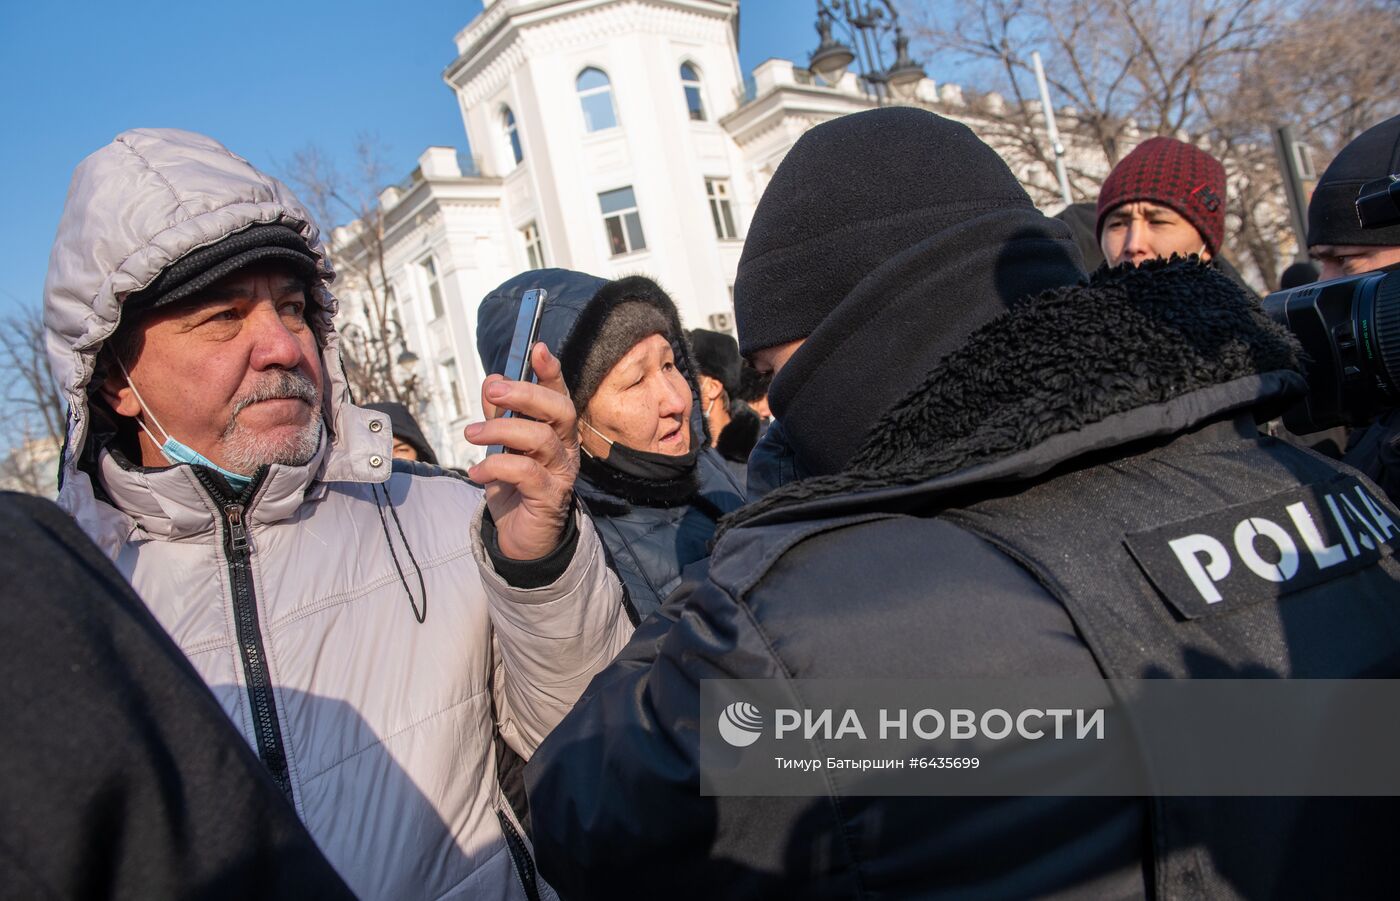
x=278 y=651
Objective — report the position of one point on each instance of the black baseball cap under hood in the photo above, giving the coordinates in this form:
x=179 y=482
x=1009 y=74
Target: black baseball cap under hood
x=205 y=266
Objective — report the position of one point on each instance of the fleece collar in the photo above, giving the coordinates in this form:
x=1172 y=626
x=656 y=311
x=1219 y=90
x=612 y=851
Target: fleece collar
x=1139 y=353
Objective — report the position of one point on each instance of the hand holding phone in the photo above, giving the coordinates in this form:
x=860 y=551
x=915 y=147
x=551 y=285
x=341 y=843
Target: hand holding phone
x=527 y=330
x=529 y=490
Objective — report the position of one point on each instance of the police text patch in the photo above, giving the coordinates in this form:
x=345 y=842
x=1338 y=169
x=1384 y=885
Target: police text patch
x=1264 y=549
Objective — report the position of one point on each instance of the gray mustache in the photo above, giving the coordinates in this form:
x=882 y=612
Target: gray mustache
x=283 y=384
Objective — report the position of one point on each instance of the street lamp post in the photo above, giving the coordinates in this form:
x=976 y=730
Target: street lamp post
x=1052 y=129
x=872 y=26
x=373 y=352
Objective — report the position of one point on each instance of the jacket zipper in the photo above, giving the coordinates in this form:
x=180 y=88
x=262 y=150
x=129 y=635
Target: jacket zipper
x=520 y=856
x=262 y=704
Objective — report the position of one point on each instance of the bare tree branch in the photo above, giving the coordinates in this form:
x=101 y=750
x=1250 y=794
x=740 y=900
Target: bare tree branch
x=1225 y=72
x=372 y=337
x=33 y=406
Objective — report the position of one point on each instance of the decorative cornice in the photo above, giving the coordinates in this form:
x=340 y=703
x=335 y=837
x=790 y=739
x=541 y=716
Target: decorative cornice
x=497 y=47
x=762 y=115
x=428 y=195
x=425 y=198
x=491 y=77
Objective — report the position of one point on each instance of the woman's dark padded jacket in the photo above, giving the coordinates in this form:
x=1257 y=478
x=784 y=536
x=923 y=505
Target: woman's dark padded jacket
x=648 y=546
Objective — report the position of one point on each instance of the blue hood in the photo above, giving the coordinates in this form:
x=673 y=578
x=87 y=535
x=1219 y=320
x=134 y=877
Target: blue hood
x=569 y=293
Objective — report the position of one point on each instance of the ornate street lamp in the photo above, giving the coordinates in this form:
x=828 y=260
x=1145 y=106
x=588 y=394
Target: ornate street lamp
x=904 y=76
x=370 y=353
x=831 y=57
x=871 y=26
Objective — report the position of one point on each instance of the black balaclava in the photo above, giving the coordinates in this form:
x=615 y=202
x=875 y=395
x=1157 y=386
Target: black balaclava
x=884 y=239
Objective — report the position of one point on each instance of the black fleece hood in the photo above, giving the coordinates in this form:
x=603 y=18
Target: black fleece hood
x=1140 y=353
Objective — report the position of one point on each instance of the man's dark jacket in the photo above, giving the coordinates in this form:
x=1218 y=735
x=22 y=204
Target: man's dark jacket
x=648 y=543
x=123 y=777
x=772 y=463
x=983 y=531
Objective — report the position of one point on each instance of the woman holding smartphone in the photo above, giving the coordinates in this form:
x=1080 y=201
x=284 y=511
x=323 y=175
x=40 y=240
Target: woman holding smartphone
x=648 y=477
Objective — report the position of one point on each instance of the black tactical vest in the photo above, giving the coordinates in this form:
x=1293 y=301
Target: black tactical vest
x=1225 y=554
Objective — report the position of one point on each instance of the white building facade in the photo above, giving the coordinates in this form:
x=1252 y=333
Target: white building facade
x=612 y=137
x=603 y=121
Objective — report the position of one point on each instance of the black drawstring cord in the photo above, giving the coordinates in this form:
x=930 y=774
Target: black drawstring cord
x=392 y=553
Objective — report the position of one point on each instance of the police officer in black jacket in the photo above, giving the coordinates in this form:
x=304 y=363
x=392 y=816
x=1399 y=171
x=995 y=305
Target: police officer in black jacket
x=986 y=436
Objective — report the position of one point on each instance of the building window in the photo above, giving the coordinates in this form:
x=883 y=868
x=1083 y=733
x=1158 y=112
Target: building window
x=454 y=389
x=534 y=247
x=721 y=210
x=623 y=222
x=434 y=289
x=512 y=135
x=690 y=83
x=595 y=96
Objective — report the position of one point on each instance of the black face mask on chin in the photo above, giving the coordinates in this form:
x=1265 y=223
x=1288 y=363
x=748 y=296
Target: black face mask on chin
x=648 y=466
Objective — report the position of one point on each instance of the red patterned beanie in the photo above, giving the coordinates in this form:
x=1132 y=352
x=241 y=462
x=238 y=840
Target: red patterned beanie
x=1173 y=174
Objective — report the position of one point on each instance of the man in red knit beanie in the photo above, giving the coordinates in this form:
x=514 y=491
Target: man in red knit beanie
x=1164 y=198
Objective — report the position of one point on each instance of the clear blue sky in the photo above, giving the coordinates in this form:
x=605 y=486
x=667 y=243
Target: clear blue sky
x=265 y=78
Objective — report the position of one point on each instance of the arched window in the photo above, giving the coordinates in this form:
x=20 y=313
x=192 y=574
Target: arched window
x=690 y=83
x=595 y=96
x=512 y=134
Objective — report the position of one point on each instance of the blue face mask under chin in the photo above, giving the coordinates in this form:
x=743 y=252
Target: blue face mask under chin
x=177 y=452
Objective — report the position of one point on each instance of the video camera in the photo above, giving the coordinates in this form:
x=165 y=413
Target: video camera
x=1350 y=330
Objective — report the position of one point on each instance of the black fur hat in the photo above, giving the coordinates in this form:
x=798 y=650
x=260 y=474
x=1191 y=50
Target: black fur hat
x=718 y=357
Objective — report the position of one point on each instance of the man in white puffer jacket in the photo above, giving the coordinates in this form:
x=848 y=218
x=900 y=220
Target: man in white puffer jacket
x=372 y=629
